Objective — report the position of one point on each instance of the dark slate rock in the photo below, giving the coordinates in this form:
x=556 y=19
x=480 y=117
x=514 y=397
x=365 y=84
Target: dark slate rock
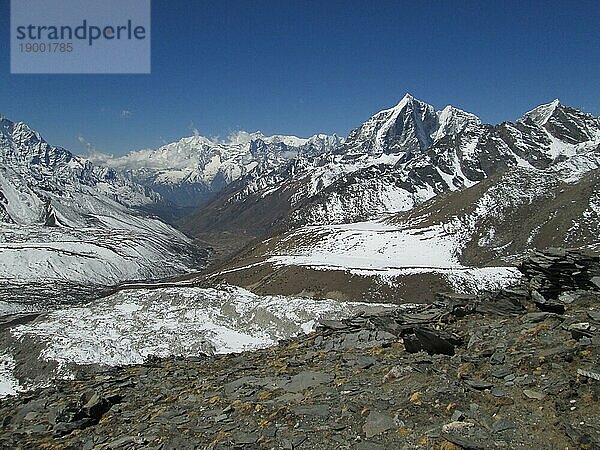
x=242 y=438
x=478 y=384
x=305 y=380
x=63 y=428
x=359 y=361
x=377 y=423
x=502 y=372
x=581 y=330
x=500 y=307
x=497 y=358
x=366 y=445
x=498 y=392
x=594 y=315
x=311 y=410
x=333 y=324
x=429 y=341
x=535 y=317
x=457 y=415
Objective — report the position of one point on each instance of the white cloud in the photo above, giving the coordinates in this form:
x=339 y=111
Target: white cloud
x=193 y=129
x=92 y=153
x=126 y=114
x=88 y=145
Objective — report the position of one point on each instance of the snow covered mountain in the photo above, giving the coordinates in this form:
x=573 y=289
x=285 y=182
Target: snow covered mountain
x=465 y=241
x=68 y=226
x=409 y=127
x=417 y=201
x=396 y=160
x=189 y=173
x=454 y=162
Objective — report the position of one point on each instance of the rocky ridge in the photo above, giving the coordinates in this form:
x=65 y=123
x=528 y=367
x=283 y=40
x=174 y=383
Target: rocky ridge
x=503 y=370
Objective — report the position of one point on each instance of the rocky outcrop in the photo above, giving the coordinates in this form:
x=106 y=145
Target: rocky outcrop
x=555 y=271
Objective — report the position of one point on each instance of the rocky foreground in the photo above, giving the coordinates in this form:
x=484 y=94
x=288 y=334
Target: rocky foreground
x=516 y=369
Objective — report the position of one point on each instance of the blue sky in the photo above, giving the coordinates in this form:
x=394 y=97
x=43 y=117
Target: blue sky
x=302 y=67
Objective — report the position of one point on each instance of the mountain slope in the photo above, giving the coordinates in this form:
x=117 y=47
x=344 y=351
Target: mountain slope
x=68 y=225
x=389 y=136
x=462 y=241
x=454 y=162
x=397 y=160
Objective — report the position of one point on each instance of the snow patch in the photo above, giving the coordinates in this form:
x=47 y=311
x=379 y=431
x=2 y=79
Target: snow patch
x=131 y=325
x=9 y=385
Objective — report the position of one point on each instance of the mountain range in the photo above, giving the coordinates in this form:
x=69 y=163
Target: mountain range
x=71 y=228
x=439 y=212
x=208 y=245
x=193 y=171
x=404 y=171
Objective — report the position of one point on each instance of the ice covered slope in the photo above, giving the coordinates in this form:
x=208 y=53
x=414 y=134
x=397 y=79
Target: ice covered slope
x=132 y=325
x=464 y=241
x=192 y=171
x=67 y=221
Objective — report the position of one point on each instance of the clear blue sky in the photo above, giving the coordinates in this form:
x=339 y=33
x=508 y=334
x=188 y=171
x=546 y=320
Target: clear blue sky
x=302 y=67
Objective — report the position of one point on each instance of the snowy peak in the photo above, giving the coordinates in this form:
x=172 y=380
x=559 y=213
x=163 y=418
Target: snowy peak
x=191 y=172
x=194 y=153
x=244 y=138
x=406 y=127
x=406 y=101
x=25 y=148
x=542 y=113
x=26 y=156
x=409 y=127
x=69 y=224
x=469 y=153
x=564 y=123
x=452 y=120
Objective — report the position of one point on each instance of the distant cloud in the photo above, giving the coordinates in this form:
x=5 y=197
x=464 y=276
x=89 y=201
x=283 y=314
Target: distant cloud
x=91 y=152
x=126 y=114
x=88 y=145
x=193 y=129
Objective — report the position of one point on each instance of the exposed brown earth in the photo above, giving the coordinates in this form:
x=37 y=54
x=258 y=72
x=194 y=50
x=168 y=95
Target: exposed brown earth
x=267 y=279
